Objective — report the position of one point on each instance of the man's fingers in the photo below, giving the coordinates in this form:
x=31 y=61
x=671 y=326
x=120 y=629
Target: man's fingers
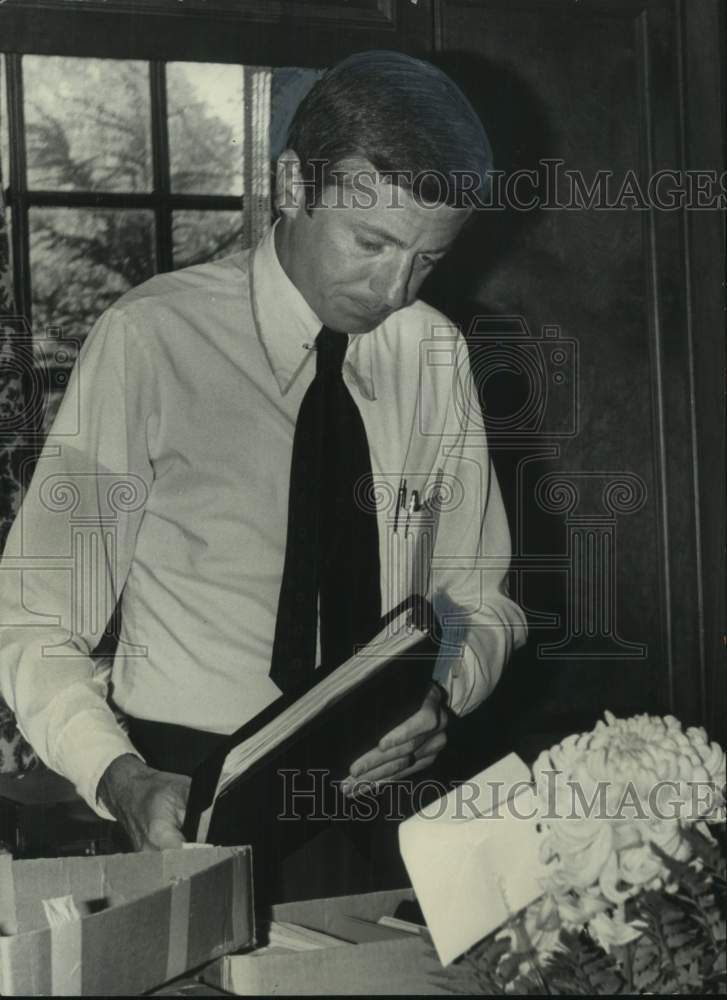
x=376 y=758
x=397 y=753
x=425 y=754
x=164 y=836
x=372 y=782
x=149 y=804
x=434 y=745
x=429 y=719
x=419 y=765
x=165 y=826
x=180 y=790
x=394 y=751
x=386 y=770
x=423 y=724
x=137 y=836
x=398 y=767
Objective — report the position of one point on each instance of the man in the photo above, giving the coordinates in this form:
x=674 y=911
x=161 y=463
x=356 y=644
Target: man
x=184 y=463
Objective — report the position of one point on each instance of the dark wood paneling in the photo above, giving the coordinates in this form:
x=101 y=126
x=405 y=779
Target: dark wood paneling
x=353 y=12
x=703 y=137
x=601 y=86
x=290 y=33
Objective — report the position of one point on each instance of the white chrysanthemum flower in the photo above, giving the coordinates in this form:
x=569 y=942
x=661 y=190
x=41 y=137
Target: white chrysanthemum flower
x=606 y=797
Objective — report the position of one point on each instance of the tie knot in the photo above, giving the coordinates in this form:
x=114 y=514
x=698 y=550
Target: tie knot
x=331 y=349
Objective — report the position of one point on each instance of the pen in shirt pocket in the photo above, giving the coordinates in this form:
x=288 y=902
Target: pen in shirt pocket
x=413 y=507
x=400 y=502
x=415 y=525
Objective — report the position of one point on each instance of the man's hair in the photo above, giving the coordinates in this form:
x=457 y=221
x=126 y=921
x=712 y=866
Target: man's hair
x=403 y=115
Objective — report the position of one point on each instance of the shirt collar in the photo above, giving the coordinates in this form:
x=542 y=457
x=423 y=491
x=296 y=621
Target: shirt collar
x=287 y=326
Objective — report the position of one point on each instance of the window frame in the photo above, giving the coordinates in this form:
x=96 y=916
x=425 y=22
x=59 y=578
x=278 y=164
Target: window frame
x=161 y=200
x=308 y=33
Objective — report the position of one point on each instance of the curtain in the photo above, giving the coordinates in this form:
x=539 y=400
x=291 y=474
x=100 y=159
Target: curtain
x=256 y=153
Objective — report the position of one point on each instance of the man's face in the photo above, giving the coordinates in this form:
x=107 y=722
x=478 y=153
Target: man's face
x=365 y=250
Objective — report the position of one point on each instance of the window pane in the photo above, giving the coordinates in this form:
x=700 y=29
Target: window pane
x=87 y=124
x=204 y=104
x=201 y=236
x=81 y=260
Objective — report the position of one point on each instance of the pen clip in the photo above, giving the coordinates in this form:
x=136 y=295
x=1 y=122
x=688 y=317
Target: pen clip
x=412 y=508
x=400 y=502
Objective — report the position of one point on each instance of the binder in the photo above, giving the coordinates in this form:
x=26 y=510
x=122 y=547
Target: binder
x=275 y=782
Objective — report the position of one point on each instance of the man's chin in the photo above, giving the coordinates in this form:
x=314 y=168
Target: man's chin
x=357 y=321
x=362 y=326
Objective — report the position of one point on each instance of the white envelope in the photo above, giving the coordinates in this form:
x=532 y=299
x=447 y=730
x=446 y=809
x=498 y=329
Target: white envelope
x=472 y=856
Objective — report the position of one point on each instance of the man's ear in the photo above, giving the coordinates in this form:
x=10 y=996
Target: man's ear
x=290 y=189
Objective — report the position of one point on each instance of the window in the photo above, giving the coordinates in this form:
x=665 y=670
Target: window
x=114 y=170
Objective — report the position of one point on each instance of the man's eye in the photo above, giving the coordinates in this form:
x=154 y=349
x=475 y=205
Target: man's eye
x=426 y=260
x=369 y=245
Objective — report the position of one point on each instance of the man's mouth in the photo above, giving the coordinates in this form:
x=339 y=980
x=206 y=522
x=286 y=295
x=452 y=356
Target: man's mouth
x=373 y=311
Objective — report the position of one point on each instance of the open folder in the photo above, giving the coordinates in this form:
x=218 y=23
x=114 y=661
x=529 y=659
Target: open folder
x=285 y=765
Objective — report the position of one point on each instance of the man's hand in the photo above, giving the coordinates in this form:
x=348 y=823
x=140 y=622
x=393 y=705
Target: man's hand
x=409 y=748
x=149 y=804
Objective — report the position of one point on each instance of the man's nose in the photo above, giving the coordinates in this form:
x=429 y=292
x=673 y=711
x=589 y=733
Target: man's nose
x=392 y=284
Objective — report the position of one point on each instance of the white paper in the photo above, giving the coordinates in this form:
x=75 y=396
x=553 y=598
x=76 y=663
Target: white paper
x=472 y=856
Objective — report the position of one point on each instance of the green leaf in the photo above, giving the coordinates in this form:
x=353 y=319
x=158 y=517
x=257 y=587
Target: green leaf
x=582 y=967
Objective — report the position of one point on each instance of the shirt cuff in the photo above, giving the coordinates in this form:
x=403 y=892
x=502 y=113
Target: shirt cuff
x=464 y=682
x=88 y=744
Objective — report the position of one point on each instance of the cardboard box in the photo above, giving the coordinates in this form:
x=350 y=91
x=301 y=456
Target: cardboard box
x=143 y=919
x=402 y=965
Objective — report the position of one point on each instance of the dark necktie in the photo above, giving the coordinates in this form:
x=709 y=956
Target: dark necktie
x=332 y=547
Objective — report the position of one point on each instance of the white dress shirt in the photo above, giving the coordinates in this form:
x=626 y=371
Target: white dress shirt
x=165 y=479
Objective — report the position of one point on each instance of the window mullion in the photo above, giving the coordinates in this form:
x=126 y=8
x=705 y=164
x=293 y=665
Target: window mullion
x=160 y=160
x=142 y=200
x=20 y=232
x=18 y=182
